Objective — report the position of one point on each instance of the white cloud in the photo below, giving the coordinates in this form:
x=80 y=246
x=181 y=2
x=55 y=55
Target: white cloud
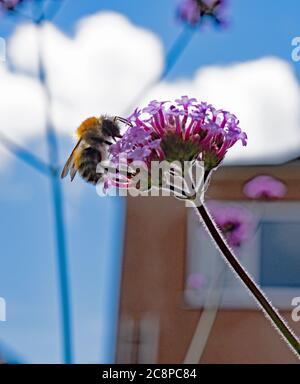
x=21 y=104
x=265 y=96
x=100 y=70
x=109 y=61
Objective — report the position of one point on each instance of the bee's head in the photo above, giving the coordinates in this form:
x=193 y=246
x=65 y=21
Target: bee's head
x=110 y=128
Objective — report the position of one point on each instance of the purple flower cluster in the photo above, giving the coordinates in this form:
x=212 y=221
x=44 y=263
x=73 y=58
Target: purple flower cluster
x=184 y=130
x=265 y=187
x=235 y=222
x=193 y=12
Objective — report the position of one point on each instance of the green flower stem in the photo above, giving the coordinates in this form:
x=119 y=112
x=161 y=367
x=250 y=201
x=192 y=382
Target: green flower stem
x=270 y=311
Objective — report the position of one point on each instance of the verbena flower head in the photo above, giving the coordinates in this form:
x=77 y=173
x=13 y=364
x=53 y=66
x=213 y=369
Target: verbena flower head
x=193 y=12
x=265 y=187
x=235 y=222
x=184 y=130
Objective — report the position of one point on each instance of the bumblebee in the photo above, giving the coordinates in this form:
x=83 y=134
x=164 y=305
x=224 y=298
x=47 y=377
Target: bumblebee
x=94 y=136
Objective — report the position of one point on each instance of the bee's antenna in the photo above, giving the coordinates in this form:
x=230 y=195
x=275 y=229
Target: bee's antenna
x=123 y=120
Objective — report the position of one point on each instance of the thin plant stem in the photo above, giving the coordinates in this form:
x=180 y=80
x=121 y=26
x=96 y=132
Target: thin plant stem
x=232 y=260
x=58 y=208
x=177 y=49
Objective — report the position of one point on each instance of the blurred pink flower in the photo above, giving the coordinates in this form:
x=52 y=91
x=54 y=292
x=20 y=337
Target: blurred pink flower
x=195 y=281
x=235 y=222
x=264 y=187
x=193 y=12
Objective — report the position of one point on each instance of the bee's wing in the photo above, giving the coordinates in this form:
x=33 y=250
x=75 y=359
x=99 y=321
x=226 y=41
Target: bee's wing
x=69 y=166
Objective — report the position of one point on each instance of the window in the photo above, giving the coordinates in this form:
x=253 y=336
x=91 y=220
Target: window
x=280 y=245
x=271 y=256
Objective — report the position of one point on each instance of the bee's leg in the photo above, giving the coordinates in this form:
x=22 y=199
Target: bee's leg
x=123 y=120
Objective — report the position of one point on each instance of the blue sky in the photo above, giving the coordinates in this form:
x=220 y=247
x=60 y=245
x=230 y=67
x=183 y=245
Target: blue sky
x=95 y=226
x=257 y=28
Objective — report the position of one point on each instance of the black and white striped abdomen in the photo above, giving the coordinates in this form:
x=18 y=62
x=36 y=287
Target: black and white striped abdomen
x=89 y=159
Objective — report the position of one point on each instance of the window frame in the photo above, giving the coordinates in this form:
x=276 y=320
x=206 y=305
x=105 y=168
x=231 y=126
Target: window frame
x=221 y=281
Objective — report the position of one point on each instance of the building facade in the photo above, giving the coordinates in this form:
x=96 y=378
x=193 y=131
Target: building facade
x=158 y=324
